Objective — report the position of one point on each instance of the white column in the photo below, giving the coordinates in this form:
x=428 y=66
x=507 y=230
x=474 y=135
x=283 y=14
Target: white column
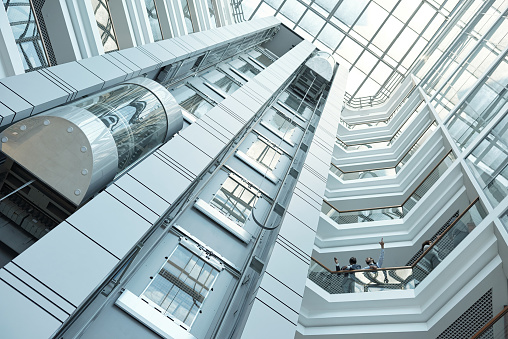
x=164 y=19
x=84 y=28
x=120 y=15
x=60 y=30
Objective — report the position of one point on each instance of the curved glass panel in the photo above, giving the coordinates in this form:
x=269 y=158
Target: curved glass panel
x=136 y=118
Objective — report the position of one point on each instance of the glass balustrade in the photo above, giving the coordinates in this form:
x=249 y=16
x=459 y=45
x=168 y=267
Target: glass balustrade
x=449 y=240
x=392 y=212
x=496 y=328
x=369 y=124
x=405 y=277
x=382 y=172
x=384 y=143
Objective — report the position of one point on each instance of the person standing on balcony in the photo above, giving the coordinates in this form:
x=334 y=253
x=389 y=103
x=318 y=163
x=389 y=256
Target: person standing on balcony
x=337 y=265
x=431 y=258
x=371 y=264
x=348 y=284
x=370 y=261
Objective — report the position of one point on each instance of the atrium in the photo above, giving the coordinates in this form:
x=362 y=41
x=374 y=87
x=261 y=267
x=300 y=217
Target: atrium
x=216 y=168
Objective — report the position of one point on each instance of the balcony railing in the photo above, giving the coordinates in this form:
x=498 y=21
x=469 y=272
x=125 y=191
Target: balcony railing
x=363 y=125
x=495 y=328
x=390 y=212
x=385 y=171
x=404 y=277
x=384 y=143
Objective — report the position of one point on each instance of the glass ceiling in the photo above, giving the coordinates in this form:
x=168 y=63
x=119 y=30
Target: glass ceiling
x=380 y=40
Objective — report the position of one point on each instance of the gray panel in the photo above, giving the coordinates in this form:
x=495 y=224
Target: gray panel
x=74 y=74
x=177 y=50
x=202 y=139
x=112 y=225
x=6 y=115
x=141 y=208
x=161 y=53
x=140 y=59
x=73 y=267
x=41 y=324
x=215 y=129
x=273 y=324
x=298 y=234
x=14 y=103
x=119 y=61
x=243 y=110
x=40 y=288
x=142 y=194
x=37 y=90
x=31 y=294
x=309 y=195
x=312 y=182
x=160 y=178
x=105 y=69
x=288 y=269
x=272 y=299
x=186 y=154
x=303 y=211
x=224 y=119
x=281 y=292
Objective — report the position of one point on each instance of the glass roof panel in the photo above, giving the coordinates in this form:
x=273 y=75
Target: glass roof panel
x=312 y=23
x=330 y=36
x=326 y=4
x=362 y=32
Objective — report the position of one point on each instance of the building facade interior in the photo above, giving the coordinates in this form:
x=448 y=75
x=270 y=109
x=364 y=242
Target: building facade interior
x=222 y=168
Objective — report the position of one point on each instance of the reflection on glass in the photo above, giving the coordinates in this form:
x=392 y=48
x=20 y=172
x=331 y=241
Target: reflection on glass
x=388 y=213
x=448 y=241
x=234 y=200
x=489 y=162
x=407 y=277
x=105 y=24
x=278 y=122
x=488 y=98
x=245 y=68
x=504 y=220
x=296 y=103
x=221 y=80
x=191 y=101
x=187 y=16
x=153 y=18
x=27 y=36
x=181 y=285
x=211 y=12
x=136 y=118
x=264 y=154
x=262 y=58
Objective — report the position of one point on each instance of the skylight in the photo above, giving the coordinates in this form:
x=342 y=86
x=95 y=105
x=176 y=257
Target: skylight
x=380 y=40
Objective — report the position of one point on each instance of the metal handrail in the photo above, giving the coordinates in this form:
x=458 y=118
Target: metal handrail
x=416 y=261
x=402 y=158
x=401 y=205
x=490 y=323
x=395 y=110
x=387 y=140
x=445 y=232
